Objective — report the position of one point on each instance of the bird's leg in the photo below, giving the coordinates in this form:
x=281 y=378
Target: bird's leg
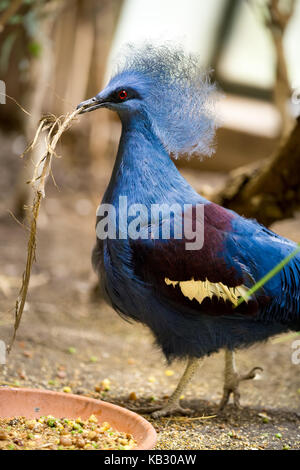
x=233 y=379
x=173 y=405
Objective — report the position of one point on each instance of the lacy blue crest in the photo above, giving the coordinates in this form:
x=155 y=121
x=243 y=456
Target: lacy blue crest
x=179 y=96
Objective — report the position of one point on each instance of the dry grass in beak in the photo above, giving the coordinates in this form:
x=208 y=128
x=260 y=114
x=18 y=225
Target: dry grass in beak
x=55 y=127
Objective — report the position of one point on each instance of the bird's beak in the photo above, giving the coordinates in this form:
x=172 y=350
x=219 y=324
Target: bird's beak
x=91 y=104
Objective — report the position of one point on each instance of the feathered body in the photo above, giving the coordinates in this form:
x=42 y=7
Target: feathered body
x=186 y=297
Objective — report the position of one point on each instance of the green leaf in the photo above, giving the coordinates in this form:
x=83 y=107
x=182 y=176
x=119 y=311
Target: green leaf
x=4 y=4
x=35 y=48
x=15 y=19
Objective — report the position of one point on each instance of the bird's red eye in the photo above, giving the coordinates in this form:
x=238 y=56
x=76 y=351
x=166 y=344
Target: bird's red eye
x=123 y=94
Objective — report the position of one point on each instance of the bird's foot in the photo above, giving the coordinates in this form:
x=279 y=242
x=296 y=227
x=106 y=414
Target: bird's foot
x=231 y=386
x=169 y=409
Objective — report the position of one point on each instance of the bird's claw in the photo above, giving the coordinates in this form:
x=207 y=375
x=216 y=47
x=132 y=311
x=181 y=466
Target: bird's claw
x=251 y=374
x=164 y=410
x=231 y=386
x=171 y=410
x=226 y=396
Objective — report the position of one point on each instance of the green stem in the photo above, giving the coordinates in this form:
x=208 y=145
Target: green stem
x=269 y=276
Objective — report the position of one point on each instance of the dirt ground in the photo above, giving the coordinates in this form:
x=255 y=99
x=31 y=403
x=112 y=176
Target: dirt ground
x=68 y=338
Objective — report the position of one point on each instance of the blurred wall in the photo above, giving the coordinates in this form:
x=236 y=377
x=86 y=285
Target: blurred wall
x=56 y=54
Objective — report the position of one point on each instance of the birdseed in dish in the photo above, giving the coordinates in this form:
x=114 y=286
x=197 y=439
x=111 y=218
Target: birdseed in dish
x=49 y=433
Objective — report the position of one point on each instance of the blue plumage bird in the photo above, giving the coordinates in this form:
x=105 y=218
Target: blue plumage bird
x=189 y=298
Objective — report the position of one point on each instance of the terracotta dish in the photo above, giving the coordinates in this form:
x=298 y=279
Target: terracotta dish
x=33 y=403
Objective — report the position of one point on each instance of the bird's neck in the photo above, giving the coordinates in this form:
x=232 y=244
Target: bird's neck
x=143 y=170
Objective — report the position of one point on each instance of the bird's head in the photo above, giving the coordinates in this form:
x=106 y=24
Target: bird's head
x=124 y=94
x=169 y=88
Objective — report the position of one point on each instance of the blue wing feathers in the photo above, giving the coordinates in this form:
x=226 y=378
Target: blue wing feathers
x=236 y=251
